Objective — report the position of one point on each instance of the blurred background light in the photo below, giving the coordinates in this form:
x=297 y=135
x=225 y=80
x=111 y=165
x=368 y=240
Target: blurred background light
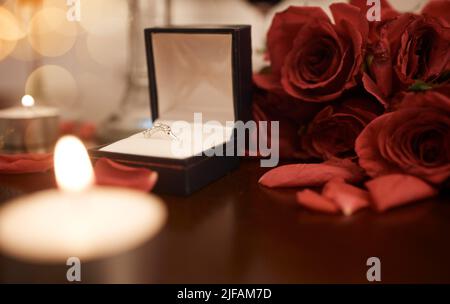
x=10 y=28
x=6 y=48
x=103 y=17
x=50 y=33
x=52 y=85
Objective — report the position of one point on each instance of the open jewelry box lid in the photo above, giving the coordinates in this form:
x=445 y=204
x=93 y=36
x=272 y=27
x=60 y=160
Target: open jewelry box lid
x=199 y=69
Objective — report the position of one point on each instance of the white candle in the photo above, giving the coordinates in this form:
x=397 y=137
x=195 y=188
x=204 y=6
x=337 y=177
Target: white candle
x=28 y=128
x=79 y=220
x=28 y=110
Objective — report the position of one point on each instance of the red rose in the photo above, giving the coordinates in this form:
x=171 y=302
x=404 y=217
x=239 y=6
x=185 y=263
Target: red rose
x=408 y=52
x=291 y=114
x=414 y=140
x=439 y=9
x=311 y=58
x=334 y=130
x=423 y=51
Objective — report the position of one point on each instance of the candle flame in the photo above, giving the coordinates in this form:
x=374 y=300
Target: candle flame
x=28 y=101
x=73 y=169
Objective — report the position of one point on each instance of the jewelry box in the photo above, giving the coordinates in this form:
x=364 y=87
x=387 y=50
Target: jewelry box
x=200 y=85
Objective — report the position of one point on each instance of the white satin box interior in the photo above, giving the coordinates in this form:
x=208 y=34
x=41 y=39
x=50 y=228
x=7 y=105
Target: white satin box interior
x=200 y=84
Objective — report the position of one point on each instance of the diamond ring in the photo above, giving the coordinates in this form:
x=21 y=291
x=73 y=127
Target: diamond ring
x=159 y=128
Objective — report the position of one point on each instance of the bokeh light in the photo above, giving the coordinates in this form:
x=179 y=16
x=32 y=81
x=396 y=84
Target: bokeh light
x=50 y=33
x=6 y=48
x=52 y=85
x=100 y=50
x=10 y=32
x=104 y=42
x=10 y=28
x=112 y=15
x=24 y=51
x=61 y=4
x=27 y=101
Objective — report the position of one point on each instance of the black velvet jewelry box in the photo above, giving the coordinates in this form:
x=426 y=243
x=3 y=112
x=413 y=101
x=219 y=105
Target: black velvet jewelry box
x=197 y=69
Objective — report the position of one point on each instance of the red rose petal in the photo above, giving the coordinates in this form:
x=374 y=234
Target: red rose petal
x=110 y=173
x=398 y=189
x=349 y=198
x=267 y=81
x=439 y=9
x=438 y=98
x=345 y=14
x=373 y=89
x=284 y=28
x=26 y=163
x=304 y=175
x=312 y=200
x=367 y=148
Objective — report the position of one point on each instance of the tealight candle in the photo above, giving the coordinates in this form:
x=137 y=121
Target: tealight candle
x=80 y=219
x=28 y=128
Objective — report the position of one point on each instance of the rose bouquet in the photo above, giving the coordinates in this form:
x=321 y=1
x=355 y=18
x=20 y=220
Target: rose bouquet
x=364 y=106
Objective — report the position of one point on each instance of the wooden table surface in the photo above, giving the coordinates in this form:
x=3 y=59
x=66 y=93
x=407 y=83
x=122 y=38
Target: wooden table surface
x=235 y=231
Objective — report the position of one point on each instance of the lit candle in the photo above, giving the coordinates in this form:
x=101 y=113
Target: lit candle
x=29 y=128
x=80 y=219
